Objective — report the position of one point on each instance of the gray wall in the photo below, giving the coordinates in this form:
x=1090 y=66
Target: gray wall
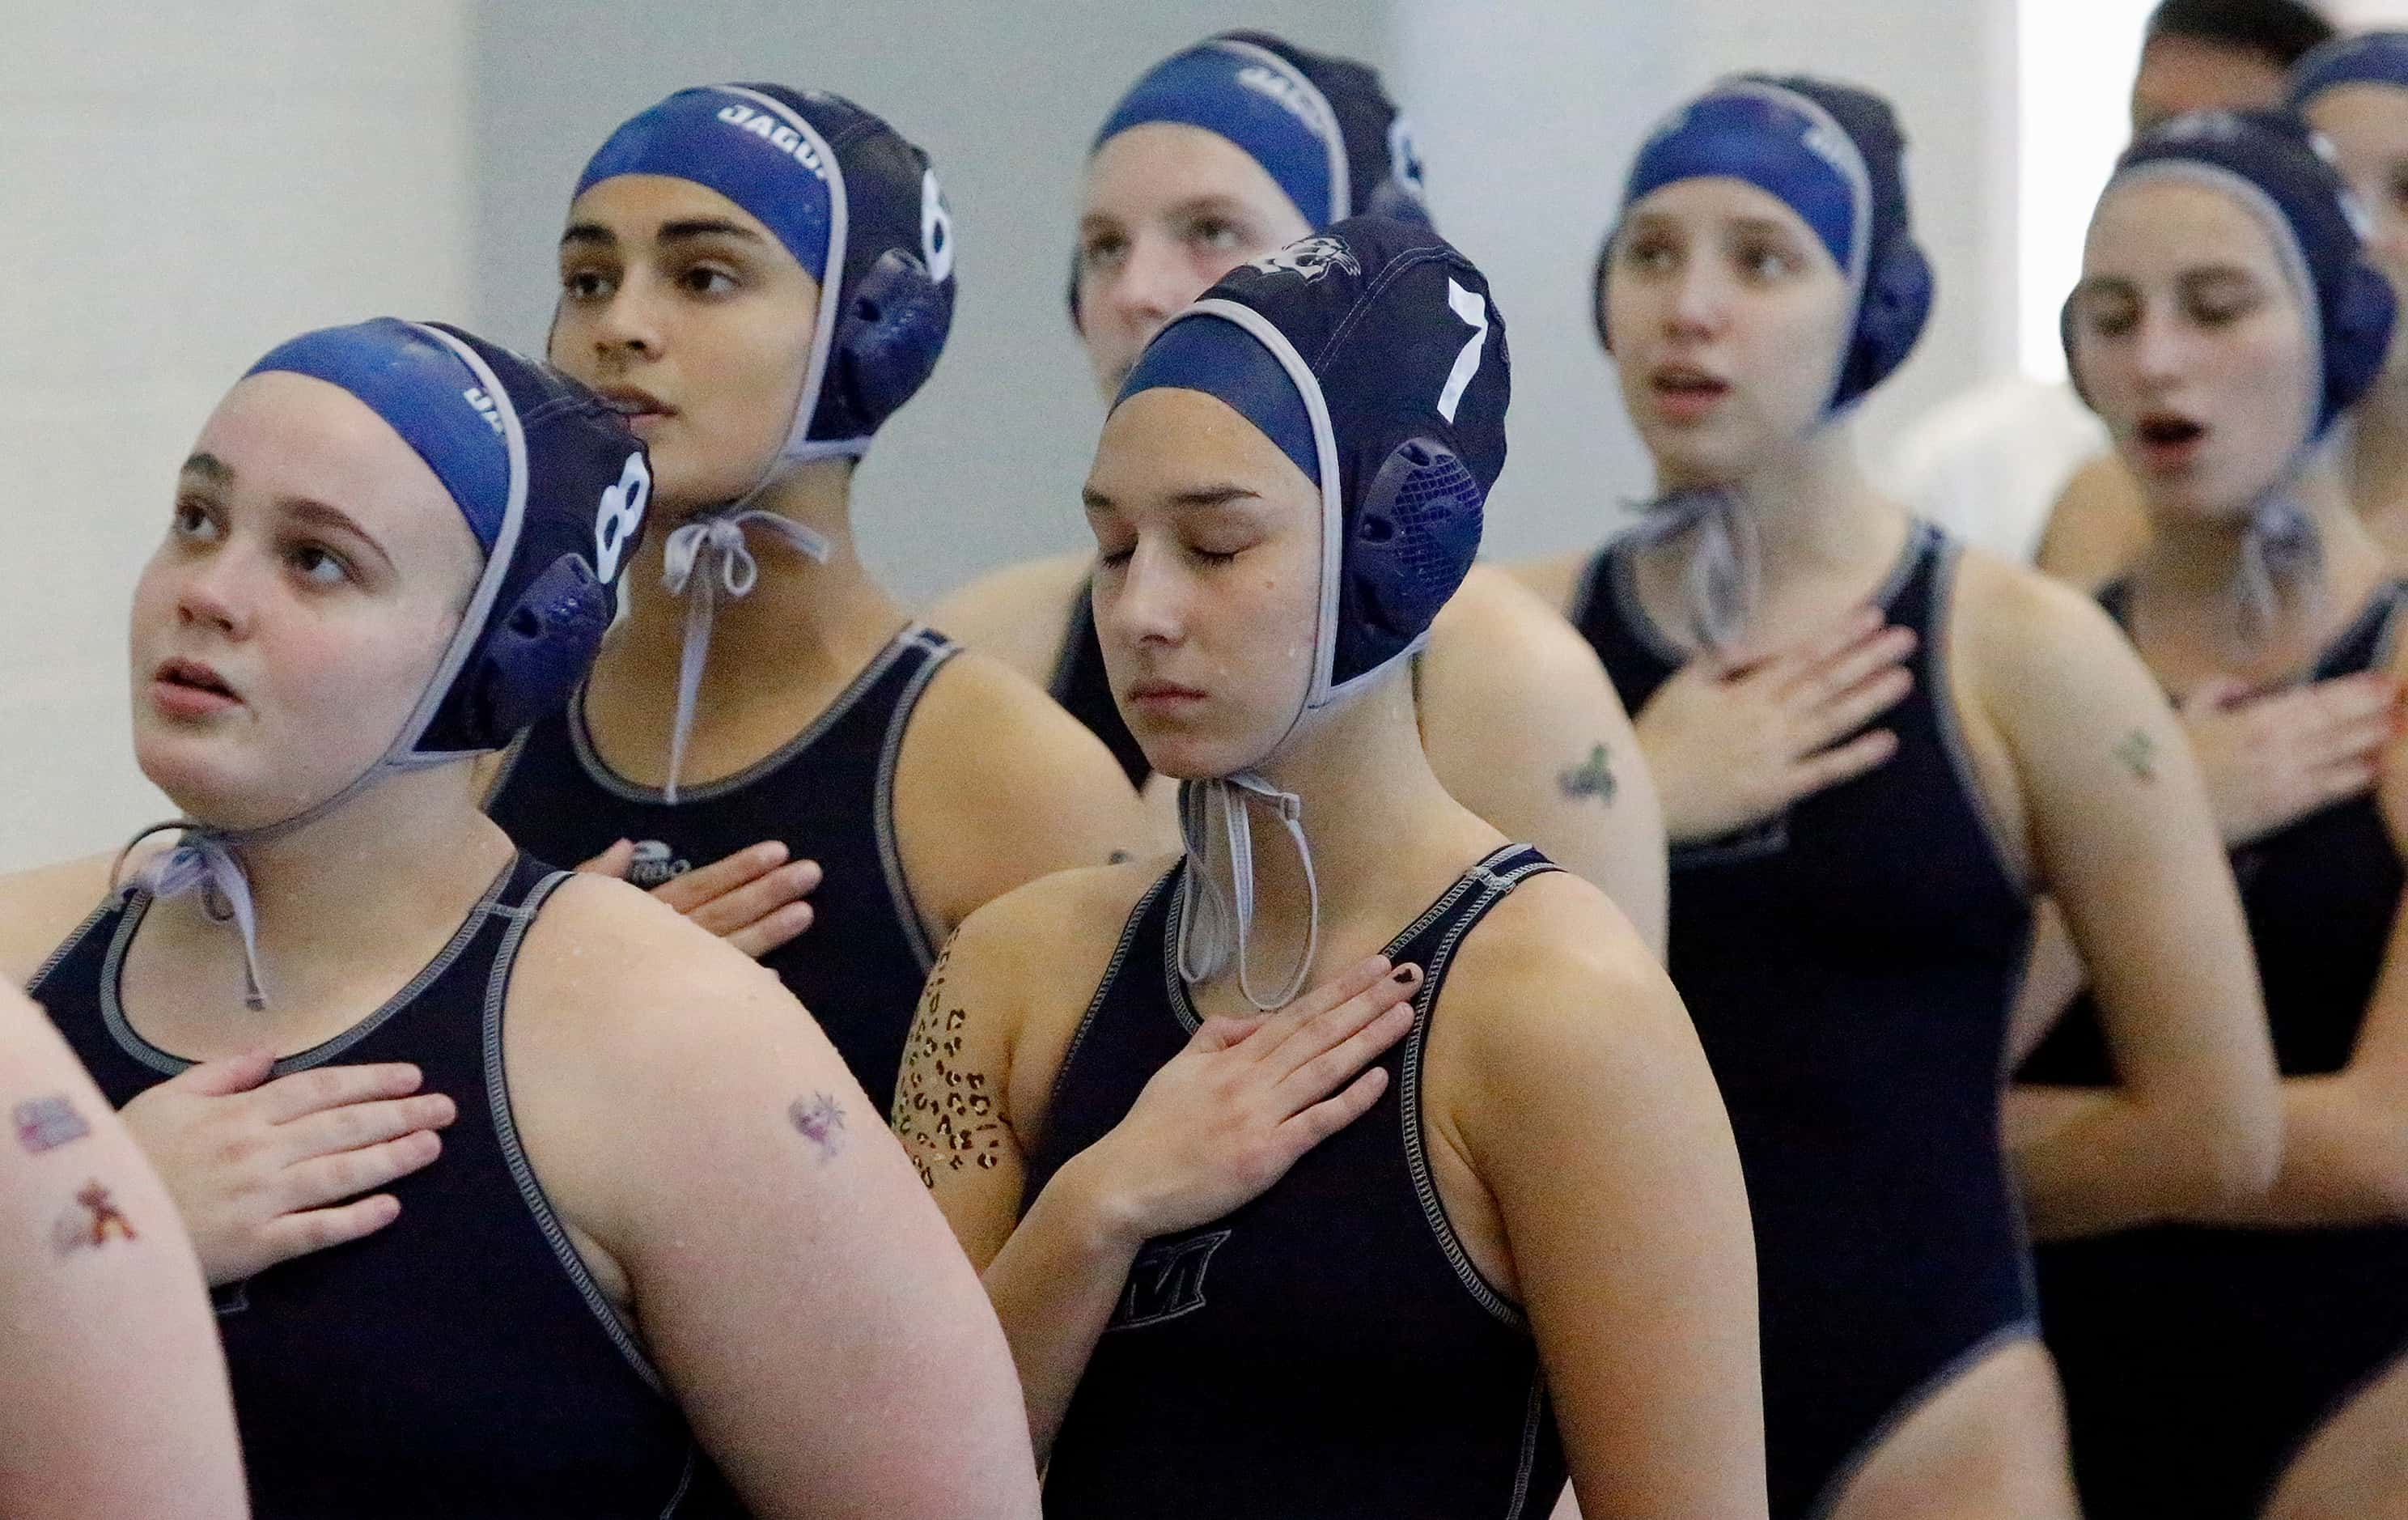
x=985 y=466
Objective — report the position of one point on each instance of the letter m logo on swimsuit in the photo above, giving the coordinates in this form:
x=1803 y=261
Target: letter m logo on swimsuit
x=1166 y=1282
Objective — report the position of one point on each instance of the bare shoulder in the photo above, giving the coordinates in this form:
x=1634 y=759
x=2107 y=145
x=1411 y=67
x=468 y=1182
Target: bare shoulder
x=1556 y=966
x=2027 y=637
x=1554 y=579
x=1048 y=943
x=623 y=975
x=1497 y=647
x=41 y=906
x=1496 y=612
x=980 y=717
x=1018 y=613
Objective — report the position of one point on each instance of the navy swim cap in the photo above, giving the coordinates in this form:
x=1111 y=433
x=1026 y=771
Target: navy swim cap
x=858 y=207
x=1372 y=356
x=2368 y=58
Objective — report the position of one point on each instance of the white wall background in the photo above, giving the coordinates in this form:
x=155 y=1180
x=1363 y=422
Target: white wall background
x=183 y=184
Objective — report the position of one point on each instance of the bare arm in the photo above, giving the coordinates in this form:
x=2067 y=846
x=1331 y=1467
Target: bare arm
x=2122 y=833
x=1523 y=727
x=116 y=1401
x=794 y=1284
x=1597 y=1130
x=998 y=786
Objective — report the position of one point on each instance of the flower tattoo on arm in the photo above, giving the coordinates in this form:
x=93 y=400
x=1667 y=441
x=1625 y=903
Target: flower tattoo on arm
x=819 y=1120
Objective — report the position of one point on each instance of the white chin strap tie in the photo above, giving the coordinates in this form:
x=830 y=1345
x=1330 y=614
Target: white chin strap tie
x=1213 y=929
x=203 y=860
x=1723 y=580
x=713 y=544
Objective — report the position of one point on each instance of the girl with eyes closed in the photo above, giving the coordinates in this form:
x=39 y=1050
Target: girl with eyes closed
x=1336 y=1255
x=1222 y=154
x=657 y=1259
x=2228 y=317
x=760 y=279
x=1873 y=748
x=2274 y=758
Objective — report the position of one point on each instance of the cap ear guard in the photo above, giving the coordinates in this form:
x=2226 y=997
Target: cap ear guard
x=890 y=335
x=591 y=488
x=1890 y=318
x=1412 y=543
x=2357 y=338
x=533 y=656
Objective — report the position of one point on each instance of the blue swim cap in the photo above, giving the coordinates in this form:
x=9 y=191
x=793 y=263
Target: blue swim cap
x=1322 y=127
x=856 y=203
x=550 y=481
x=1391 y=382
x=2368 y=58
x=1833 y=155
x=554 y=488
x=749 y=147
x=1387 y=349
x=1225 y=361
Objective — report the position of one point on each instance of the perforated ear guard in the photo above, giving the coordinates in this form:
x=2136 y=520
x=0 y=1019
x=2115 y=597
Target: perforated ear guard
x=1412 y=543
x=2357 y=338
x=588 y=490
x=535 y=655
x=892 y=331
x=1890 y=319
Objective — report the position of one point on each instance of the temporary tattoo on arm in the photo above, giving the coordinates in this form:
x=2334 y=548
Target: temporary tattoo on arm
x=2139 y=753
x=45 y=1123
x=821 y=1122
x=90 y=1223
x=944 y=1113
x=1592 y=777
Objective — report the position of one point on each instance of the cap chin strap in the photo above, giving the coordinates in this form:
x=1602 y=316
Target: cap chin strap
x=202 y=859
x=712 y=543
x=1724 y=578
x=1215 y=925
x=2281 y=567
